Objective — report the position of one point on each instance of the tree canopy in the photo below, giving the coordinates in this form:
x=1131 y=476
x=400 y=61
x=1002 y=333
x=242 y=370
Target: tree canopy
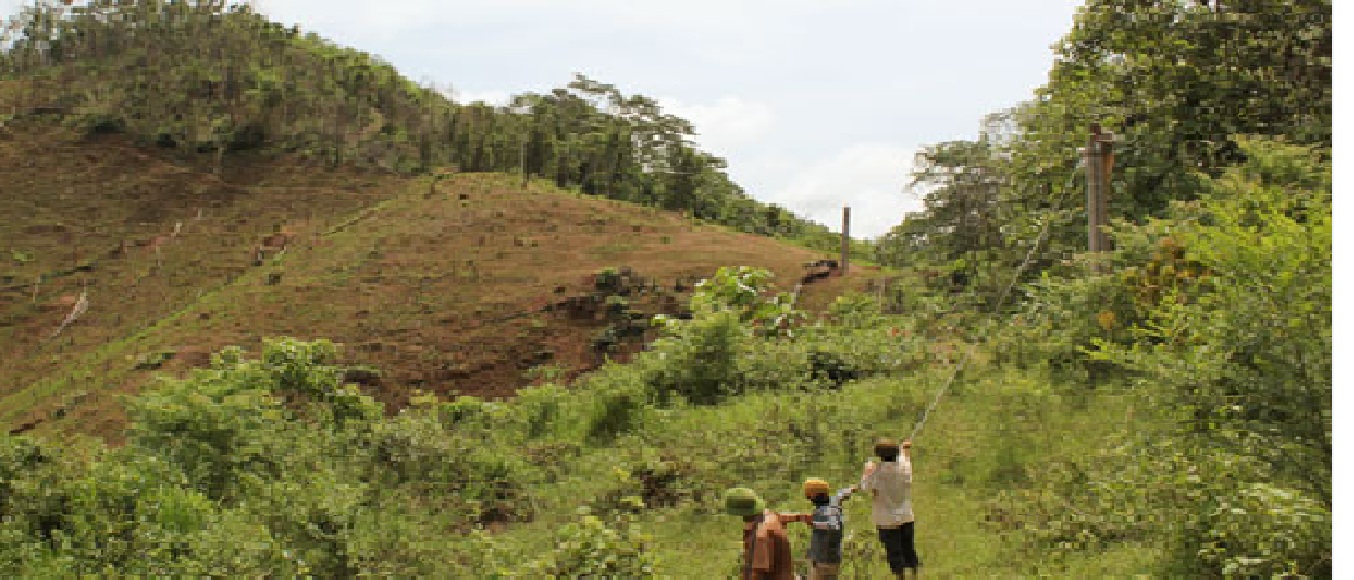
x=1177 y=81
x=210 y=76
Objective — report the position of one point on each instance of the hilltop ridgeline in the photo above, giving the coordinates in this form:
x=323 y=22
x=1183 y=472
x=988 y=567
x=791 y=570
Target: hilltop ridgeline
x=212 y=80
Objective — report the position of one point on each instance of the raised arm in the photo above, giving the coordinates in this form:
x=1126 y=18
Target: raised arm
x=844 y=493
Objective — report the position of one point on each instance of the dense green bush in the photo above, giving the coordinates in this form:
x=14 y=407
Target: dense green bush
x=731 y=344
x=1253 y=351
x=216 y=427
x=1263 y=530
x=699 y=361
x=774 y=366
x=1227 y=345
x=617 y=403
x=218 y=459
x=593 y=547
x=471 y=477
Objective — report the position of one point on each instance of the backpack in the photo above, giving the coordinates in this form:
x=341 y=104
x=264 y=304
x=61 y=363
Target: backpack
x=827 y=517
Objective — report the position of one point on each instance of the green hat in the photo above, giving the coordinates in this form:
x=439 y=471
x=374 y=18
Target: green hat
x=741 y=501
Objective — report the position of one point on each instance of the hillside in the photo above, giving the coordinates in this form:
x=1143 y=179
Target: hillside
x=229 y=81
x=1162 y=408
x=459 y=286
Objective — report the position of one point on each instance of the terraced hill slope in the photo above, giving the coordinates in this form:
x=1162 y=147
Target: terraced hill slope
x=471 y=283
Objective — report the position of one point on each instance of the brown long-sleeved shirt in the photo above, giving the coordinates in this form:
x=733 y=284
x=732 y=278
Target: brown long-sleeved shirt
x=767 y=554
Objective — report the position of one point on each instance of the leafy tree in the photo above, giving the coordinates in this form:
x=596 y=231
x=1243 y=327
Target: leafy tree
x=216 y=426
x=1220 y=317
x=213 y=77
x=1252 y=352
x=1174 y=79
x=1177 y=79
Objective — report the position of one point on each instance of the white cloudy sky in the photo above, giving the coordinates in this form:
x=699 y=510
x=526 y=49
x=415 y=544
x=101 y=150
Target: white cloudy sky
x=815 y=103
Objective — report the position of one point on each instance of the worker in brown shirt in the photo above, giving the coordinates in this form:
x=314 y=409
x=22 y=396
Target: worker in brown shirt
x=767 y=554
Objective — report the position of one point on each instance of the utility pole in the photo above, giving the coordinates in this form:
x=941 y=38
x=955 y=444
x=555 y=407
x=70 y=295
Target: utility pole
x=846 y=239
x=523 y=156
x=1099 y=165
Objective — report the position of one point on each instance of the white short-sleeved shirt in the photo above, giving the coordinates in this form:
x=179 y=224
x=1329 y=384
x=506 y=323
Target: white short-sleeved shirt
x=891 y=482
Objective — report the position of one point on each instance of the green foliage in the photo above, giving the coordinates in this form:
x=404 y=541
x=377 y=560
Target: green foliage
x=855 y=310
x=539 y=407
x=618 y=401
x=218 y=460
x=593 y=547
x=33 y=503
x=317 y=514
x=304 y=367
x=981 y=216
x=474 y=480
x=215 y=426
x=816 y=237
x=700 y=360
x=774 y=366
x=124 y=512
x=1251 y=356
x=153 y=360
x=963 y=181
x=1180 y=79
x=232 y=543
x=1212 y=321
x=746 y=292
x=738 y=289
x=20 y=458
x=645 y=476
x=101 y=527
x=1177 y=82
x=738 y=341
x=228 y=80
x=1068 y=320
x=225 y=426
x=1253 y=350
x=1220 y=316
x=1265 y=530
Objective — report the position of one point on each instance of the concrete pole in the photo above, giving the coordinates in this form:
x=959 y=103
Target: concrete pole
x=1099 y=164
x=523 y=158
x=846 y=239
x=1093 y=195
x=1106 y=150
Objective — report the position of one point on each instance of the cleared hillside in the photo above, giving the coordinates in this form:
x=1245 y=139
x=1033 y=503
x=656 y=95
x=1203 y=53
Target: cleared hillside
x=469 y=284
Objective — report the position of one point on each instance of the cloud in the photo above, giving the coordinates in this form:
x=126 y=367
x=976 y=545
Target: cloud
x=493 y=98
x=868 y=177
x=724 y=123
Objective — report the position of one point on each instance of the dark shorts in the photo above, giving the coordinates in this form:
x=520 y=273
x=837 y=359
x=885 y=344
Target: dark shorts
x=899 y=547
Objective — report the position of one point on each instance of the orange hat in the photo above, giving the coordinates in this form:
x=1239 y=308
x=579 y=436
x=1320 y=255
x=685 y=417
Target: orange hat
x=814 y=486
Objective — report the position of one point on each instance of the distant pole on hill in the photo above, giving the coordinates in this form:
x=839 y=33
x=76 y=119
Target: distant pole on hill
x=846 y=239
x=523 y=156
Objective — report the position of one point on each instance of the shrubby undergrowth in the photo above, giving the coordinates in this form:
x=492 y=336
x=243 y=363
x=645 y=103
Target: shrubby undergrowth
x=1216 y=320
x=1200 y=426
x=317 y=478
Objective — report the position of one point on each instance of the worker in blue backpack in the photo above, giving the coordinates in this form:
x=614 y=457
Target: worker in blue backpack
x=828 y=521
